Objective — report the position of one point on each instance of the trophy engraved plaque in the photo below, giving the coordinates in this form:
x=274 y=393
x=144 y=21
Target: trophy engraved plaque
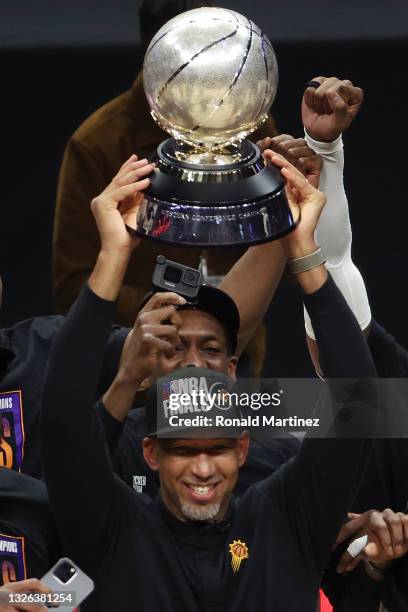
x=210 y=77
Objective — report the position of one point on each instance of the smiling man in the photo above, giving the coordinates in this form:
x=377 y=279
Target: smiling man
x=197 y=477
x=197 y=474
x=267 y=550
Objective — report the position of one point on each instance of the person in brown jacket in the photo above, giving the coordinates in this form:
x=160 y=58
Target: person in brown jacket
x=93 y=155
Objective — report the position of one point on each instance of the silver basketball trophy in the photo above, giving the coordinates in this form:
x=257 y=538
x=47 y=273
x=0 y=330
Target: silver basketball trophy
x=210 y=77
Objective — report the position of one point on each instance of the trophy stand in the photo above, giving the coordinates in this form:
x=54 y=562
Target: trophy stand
x=219 y=198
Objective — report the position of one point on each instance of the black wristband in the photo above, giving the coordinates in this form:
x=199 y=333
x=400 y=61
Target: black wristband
x=314 y=84
x=374 y=572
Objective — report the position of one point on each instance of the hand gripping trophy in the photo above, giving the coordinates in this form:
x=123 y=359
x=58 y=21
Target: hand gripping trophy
x=210 y=77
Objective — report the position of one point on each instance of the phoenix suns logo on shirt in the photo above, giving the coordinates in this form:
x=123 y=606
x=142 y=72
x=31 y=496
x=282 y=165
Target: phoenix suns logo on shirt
x=12 y=444
x=12 y=559
x=239 y=552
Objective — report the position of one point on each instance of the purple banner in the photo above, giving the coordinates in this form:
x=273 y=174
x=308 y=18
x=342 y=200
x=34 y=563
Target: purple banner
x=12 y=445
x=12 y=559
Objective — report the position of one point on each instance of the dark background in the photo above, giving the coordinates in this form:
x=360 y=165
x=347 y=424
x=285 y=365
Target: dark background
x=60 y=61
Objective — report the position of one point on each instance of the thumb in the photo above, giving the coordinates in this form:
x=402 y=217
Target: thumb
x=372 y=550
x=293 y=198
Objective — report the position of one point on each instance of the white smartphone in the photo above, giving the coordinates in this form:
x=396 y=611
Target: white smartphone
x=70 y=585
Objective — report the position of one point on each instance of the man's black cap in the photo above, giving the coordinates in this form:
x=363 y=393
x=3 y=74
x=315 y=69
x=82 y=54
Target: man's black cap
x=167 y=398
x=218 y=304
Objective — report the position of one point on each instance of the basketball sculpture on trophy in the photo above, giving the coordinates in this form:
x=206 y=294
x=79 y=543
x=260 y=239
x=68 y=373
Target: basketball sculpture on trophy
x=210 y=77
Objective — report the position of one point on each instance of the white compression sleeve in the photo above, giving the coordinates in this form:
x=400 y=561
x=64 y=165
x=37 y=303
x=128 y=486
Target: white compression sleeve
x=333 y=233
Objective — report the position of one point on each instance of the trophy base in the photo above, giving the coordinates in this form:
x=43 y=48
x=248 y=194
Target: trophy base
x=214 y=205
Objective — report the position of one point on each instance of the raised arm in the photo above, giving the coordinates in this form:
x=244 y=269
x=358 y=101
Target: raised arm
x=333 y=233
x=83 y=490
x=328 y=111
x=320 y=482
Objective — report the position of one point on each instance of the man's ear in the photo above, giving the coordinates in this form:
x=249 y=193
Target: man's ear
x=232 y=368
x=243 y=448
x=150 y=453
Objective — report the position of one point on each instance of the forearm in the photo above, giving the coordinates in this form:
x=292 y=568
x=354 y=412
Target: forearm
x=112 y=427
x=252 y=283
x=106 y=282
x=119 y=398
x=68 y=287
x=77 y=354
x=108 y=274
x=333 y=233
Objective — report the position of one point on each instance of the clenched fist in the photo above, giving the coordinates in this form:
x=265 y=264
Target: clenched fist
x=329 y=110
